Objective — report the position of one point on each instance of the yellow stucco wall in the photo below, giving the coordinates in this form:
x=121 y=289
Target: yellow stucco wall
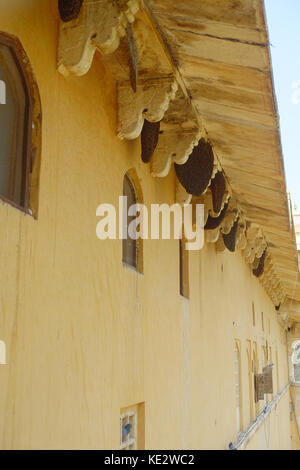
x=273 y=433
x=86 y=336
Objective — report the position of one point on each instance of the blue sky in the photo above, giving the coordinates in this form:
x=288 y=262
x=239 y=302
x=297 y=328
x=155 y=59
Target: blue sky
x=284 y=29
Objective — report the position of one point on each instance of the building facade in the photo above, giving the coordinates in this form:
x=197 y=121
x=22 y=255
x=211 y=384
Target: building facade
x=297 y=230
x=114 y=345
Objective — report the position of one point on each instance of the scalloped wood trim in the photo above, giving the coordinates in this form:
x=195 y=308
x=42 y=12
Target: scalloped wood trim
x=256 y=244
x=271 y=282
x=230 y=238
x=100 y=25
x=212 y=236
x=241 y=240
x=213 y=223
x=232 y=214
x=180 y=134
x=258 y=265
x=249 y=240
x=150 y=102
x=173 y=146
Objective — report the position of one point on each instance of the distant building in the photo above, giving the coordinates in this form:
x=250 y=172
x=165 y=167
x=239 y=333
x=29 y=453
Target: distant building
x=297 y=231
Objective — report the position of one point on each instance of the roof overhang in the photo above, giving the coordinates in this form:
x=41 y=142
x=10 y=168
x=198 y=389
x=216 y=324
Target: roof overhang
x=203 y=71
x=221 y=50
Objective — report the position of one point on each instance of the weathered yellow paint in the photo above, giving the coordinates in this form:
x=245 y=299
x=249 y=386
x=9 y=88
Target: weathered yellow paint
x=87 y=337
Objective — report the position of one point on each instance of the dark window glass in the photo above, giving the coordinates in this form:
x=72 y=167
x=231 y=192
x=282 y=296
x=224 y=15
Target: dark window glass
x=14 y=126
x=129 y=245
x=184 y=270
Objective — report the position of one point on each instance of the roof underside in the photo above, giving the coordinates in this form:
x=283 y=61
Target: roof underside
x=221 y=50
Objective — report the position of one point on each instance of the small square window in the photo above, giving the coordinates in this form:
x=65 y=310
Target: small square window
x=128 y=430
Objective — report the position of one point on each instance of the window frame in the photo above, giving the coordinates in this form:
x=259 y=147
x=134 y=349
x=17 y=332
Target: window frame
x=277 y=370
x=134 y=183
x=125 y=244
x=184 y=278
x=18 y=54
x=255 y=372
x=133 y=440
x=238 y=382
x=250 y=379
x=253 y=314
x=264 y=363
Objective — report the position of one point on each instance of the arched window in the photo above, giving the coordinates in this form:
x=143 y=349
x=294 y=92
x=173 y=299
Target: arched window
x=250 y=377
x=277 y=372
x=130 y=256
x=255 y=371
x=263 y=364
x=184 y=270
x=270 y=361
x=253 y=314
x=18 y=112
x=238 y=394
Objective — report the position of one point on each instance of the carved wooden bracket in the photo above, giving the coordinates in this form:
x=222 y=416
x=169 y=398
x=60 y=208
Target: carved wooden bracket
x=213 y=223
x=284 y=320
x=241 y=240
x=231 y=216
x=133 y=57
x=167 y=151
x=256 y=244
x=124 y=33
x=216 y=201
x=226 y=222
x=271 y=282
x=230 y=238
x=100 y=25
x=212 y=236
x=206 y=199
x=259 y=265
x=180 y=133
x=150 y=102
